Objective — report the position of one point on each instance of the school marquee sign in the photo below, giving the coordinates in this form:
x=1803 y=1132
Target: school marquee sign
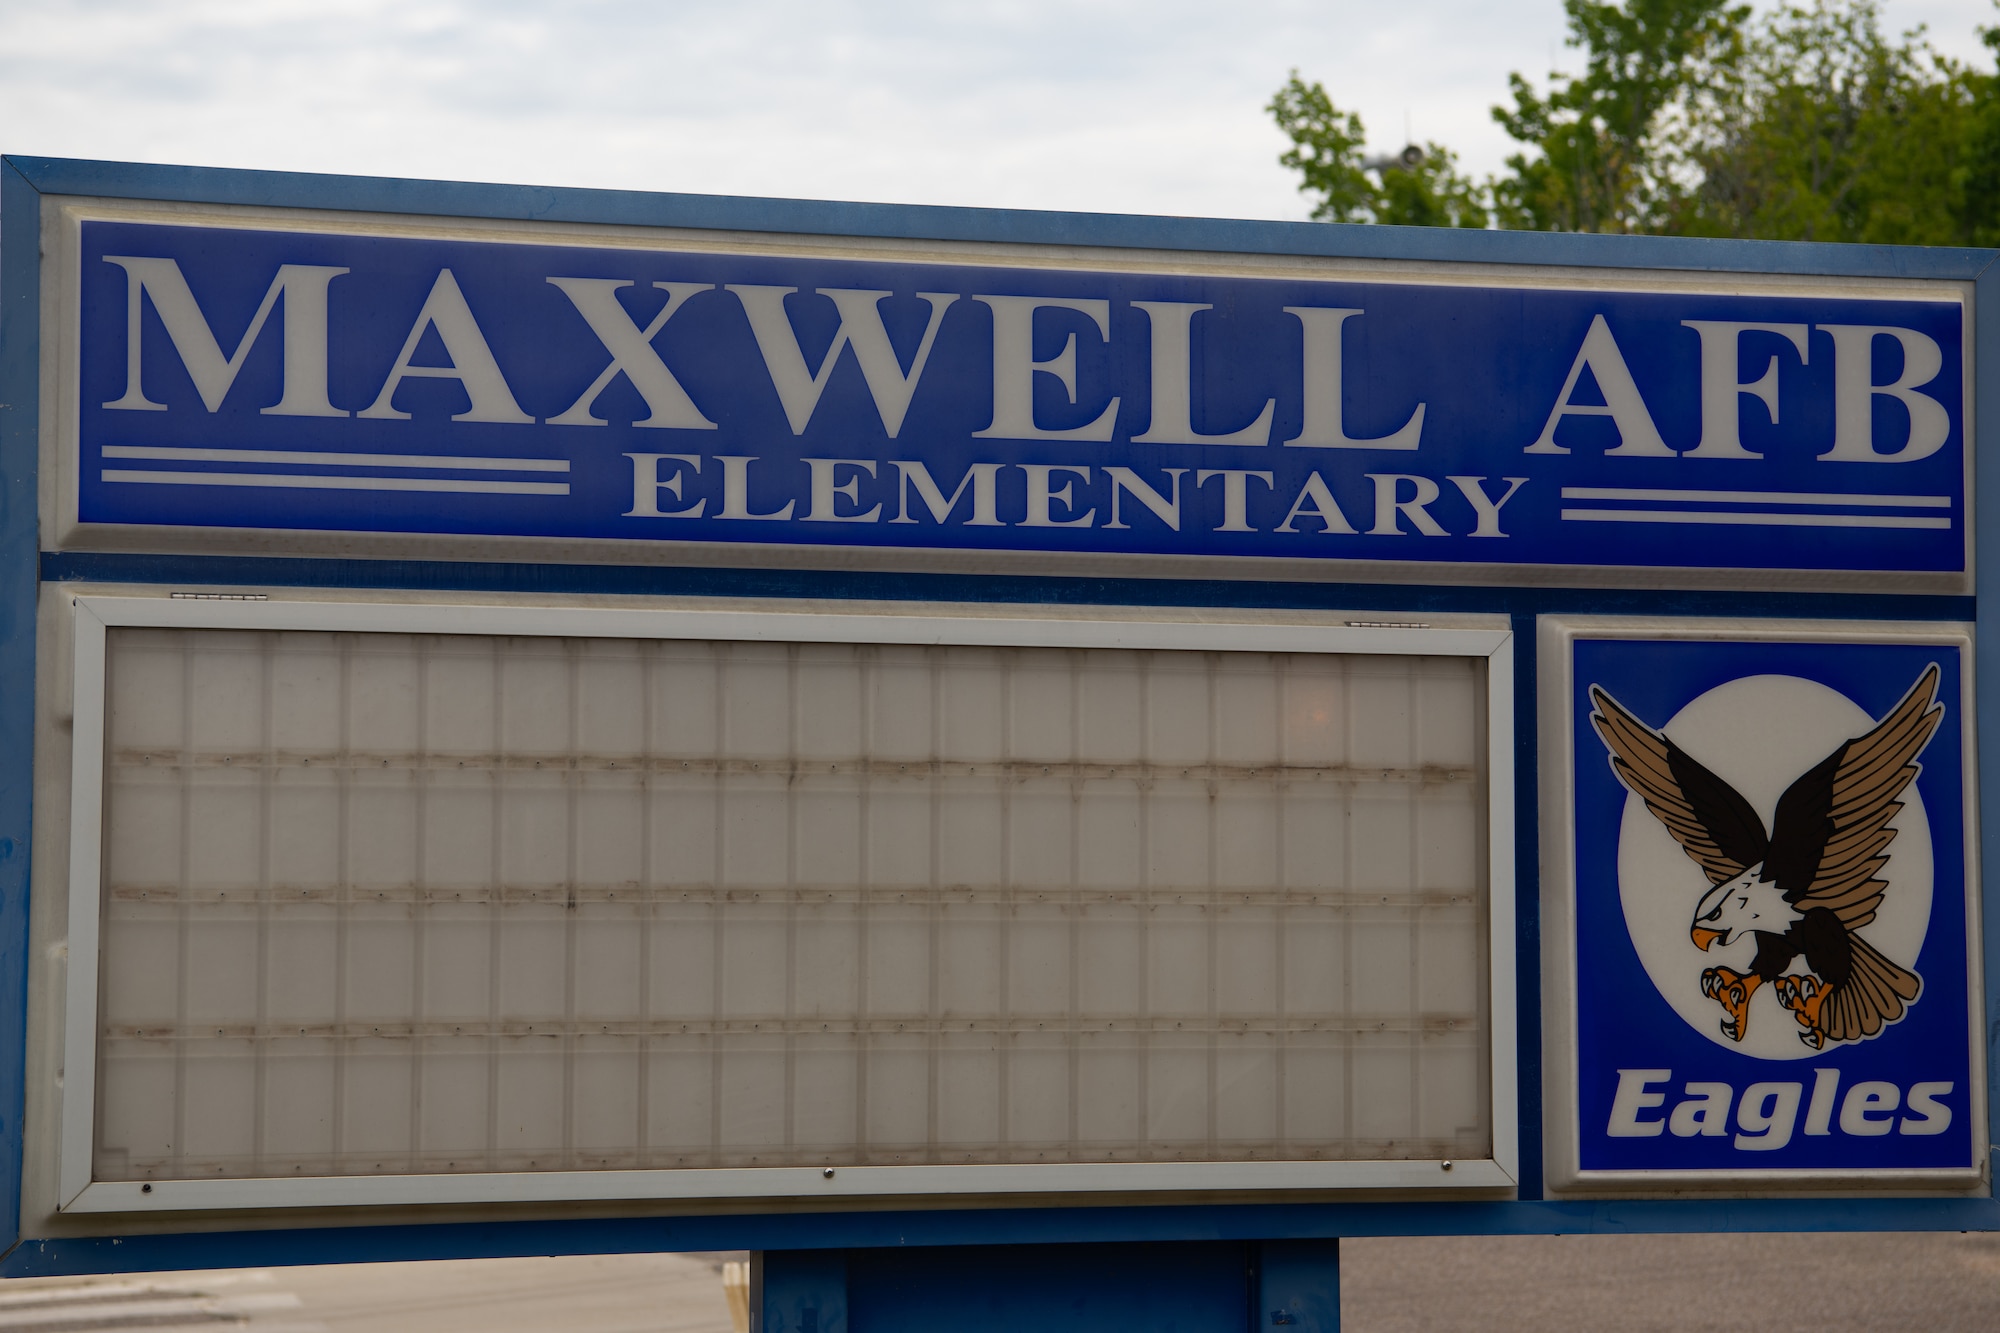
x=526 y=708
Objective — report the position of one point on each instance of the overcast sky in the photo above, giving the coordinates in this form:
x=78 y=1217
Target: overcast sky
x=1142 y=106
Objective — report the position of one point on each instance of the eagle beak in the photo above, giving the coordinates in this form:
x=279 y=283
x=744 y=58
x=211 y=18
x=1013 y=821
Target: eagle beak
x=1703 y=937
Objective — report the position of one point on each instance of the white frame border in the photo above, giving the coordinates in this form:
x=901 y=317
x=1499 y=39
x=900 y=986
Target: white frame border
x=79 y=1194
x=1562 y=1151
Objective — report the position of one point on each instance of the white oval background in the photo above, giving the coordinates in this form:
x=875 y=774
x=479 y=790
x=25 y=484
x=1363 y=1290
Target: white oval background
x=1759 y=734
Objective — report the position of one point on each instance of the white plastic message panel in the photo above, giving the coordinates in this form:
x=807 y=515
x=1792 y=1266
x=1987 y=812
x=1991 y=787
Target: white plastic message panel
x=396 y=904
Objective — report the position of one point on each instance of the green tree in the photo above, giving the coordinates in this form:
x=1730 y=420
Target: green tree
x=1980 y=169
x=1593 y=159
x=1827 y=130
x=1808 y=123
x=1430 y=193
x=1327 y=151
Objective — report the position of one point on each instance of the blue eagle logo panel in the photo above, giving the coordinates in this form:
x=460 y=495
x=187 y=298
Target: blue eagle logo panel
x=1771 y=907
x=256 y=379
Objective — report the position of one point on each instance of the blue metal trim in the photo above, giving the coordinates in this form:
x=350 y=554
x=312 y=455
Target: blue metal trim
x=1025 y=1226
x=1527 y=907
x=20 y=508
x=375 y=194
x=672 y=581
x=1299 y=1279
x=1986 y=658
x=799 y=1290
x=1206 y=1285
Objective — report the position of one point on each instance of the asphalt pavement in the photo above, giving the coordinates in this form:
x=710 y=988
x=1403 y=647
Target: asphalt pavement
x=1854 y=1283
x=649 y=1293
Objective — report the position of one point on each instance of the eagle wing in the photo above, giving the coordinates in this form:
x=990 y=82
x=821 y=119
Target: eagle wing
x=1714 y=825
x=1832 y=827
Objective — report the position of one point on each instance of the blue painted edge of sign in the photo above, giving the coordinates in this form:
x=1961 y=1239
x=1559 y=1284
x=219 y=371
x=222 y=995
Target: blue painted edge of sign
x=1018 y=1226
x=20 y=315
x=1986 y=670
x=375 y=194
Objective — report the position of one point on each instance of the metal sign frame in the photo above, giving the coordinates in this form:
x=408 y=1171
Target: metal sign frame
x=37 y=572
x=81 y=1194
x=127 y=479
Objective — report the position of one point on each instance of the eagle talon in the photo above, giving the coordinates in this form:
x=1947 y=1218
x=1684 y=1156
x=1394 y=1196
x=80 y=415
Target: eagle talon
x=1803 y=995
x=1732 y=990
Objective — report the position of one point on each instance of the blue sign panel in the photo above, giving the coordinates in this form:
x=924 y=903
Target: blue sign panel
x=245 y=379
x=1771 y=907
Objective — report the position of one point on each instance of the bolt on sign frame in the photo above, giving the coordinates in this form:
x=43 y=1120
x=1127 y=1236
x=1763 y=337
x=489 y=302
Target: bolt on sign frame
x=556 y=720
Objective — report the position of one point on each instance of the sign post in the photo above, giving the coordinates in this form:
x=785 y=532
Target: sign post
x=1017 y=765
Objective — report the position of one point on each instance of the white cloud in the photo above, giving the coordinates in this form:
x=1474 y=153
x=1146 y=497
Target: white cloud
x=1098 y=105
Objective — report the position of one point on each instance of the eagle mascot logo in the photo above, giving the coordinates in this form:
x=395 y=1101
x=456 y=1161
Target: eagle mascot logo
x=1807 y=888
